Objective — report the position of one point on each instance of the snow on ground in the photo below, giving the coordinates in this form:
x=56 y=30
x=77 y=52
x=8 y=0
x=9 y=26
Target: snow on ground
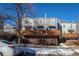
x=76 y=50
x=54 y=52
x=61 y=50
x=63 y=45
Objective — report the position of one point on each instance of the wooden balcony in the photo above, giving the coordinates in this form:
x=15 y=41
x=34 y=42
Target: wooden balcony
x=54 y=32
x=41 y=32
x=69 y=35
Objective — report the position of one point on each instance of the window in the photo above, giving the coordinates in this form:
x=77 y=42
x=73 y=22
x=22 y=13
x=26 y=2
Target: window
x=39 y=27
x=52 y=27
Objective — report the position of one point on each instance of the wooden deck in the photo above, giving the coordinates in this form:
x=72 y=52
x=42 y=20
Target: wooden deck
x=40 y=36
x=68 y=35
x=42 y=33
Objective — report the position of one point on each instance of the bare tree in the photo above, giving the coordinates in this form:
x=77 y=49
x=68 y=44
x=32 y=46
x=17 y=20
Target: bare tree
x=19 y=10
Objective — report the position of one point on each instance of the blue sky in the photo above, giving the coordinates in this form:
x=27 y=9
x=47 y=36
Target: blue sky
x=64 y=11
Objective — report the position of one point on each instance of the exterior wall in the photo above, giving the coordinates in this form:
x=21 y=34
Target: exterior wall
x=77 y=28
x=68 y=26
x=27 y=22
x=45 y=21
x=39 y=21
